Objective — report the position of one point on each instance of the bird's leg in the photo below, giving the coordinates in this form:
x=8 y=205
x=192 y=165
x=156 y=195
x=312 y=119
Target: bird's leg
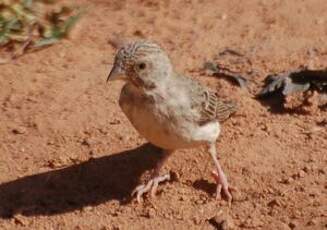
x=219 y=176
x=152 y=184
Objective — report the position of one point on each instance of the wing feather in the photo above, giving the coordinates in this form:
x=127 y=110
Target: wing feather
x=207 y=104
x=213 y=108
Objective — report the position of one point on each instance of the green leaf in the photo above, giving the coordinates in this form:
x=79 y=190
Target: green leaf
x=45 y=42
x=49 y=1
x=13 y=24
x=18 y=9
x=70 y=22
x=30 y=21
x=52 y=32
x=3 y=39
x=18 y=37
x=60 y=31
x=27 y=3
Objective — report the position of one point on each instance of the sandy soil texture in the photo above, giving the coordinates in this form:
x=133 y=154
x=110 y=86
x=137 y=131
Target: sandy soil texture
x=69 y=158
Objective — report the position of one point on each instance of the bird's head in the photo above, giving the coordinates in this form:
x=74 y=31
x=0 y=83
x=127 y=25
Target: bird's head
x=142 y=63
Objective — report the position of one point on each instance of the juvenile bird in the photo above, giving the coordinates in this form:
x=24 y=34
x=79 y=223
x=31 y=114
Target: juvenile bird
x=171 y=111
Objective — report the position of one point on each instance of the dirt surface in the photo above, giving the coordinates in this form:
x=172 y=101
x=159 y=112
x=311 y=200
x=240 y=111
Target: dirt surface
x=69 y=158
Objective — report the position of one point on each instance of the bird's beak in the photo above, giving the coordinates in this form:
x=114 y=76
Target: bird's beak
x=116 y=73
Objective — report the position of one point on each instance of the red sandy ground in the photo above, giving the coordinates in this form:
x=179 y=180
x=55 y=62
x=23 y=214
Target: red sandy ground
x=69 y=157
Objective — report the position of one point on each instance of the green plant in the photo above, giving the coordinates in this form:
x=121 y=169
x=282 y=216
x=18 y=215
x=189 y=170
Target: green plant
x=32 y=24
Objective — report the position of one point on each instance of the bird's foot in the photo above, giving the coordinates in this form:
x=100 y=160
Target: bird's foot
x=151 y=185
x=222 y=186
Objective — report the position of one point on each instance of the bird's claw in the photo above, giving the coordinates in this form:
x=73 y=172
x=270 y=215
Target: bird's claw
x=151 y=185
x=222 y=187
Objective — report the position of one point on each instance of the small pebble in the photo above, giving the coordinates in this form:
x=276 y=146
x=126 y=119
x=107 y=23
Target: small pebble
x=116 y=227
x=256 y=222
x=197 y=220
x=292 y=224
x=19 y=220
x=306 y=169
x=222 y=221
x=19 y=130
x=238 y=196
x=175 y=176
x=151 y=213
x=289 y=180
x=274 y=203
x=167 y=216
x=223 y=16
x=88 y=142
x=273 y=212
x=198 y=201
x=319 y=21
x=87 y=208
x=322 y=171
x=312 y=222
x=301 y=174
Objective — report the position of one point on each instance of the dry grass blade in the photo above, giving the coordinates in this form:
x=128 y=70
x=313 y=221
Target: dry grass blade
x=216 y=69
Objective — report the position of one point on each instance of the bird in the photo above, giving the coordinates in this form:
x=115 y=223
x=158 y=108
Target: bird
x=168 y=109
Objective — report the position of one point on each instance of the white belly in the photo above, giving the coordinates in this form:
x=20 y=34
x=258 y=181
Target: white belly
x=165 y=131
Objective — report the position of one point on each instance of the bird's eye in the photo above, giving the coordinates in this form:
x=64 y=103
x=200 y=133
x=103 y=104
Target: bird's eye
x=141 y=66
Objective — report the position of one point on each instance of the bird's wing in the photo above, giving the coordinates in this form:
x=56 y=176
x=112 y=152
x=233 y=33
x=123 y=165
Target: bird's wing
x=213 y=108
x=206 y=104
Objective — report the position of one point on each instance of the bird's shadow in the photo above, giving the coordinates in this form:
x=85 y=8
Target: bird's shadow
x=90 y=183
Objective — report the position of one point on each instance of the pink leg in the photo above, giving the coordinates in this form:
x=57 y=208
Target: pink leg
x=152 y=184
x=219 y=176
